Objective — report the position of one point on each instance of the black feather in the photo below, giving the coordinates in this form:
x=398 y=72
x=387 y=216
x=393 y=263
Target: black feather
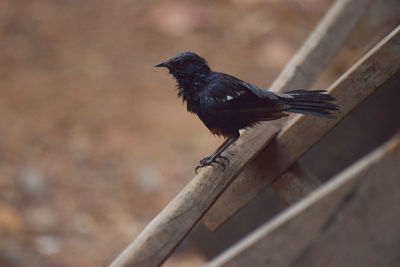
x=310 y=102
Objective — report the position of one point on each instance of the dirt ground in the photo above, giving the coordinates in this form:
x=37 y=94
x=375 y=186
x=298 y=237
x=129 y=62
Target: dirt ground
x=93 y=140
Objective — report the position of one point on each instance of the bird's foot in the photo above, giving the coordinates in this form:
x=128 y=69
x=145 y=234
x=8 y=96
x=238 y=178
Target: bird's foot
x=208 y=161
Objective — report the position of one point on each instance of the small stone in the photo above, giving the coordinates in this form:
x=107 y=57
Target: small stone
x=32 y=182
x=84 y=223
x=148 y=179
x=48 y=244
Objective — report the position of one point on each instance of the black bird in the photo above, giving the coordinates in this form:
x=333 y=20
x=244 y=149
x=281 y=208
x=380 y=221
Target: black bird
x=226 y=104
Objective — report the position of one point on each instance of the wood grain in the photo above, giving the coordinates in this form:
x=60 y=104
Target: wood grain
x=353 y=220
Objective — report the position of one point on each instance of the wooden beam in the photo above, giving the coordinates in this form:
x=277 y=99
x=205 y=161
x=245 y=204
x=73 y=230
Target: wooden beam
x=320 y=47
x=302 y=71
x=353 y=220
x=362 y=79
x=295 y=184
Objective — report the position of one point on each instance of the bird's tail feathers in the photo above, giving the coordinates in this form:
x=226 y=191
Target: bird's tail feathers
x=310 y=102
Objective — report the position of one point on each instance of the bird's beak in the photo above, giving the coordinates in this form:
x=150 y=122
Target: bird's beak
x=163 y=64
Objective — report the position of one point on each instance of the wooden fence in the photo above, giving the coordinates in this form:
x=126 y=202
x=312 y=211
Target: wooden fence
x=266 y=156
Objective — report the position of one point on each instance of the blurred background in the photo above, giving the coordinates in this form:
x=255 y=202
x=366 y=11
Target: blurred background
x=93 y=140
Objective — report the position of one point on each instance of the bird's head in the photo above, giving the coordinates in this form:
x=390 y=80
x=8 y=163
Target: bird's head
x=186 y=65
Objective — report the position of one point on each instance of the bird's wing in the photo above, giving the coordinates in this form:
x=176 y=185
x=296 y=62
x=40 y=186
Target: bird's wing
x=223 y=85
x=237 y=98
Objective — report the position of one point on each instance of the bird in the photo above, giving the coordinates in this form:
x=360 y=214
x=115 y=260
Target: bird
x=226 y=104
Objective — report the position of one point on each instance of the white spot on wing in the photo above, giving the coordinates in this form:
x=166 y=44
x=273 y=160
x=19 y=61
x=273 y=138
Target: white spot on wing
x=229 y=97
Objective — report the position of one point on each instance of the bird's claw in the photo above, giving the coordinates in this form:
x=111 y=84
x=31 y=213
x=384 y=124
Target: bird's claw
x=208 y=161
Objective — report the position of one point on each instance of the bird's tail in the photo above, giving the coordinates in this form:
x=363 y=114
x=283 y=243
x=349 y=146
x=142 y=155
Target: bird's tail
x=310 y=102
